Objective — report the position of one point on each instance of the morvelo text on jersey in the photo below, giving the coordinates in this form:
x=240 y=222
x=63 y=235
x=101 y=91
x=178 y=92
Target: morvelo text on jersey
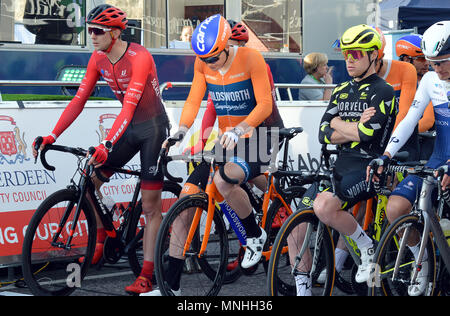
x=134 y=81
x=431 y=88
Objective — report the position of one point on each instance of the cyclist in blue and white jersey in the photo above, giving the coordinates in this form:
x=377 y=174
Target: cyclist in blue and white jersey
x=434 y=87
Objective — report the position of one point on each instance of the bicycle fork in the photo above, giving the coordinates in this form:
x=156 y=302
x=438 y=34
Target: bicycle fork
x=67 y=212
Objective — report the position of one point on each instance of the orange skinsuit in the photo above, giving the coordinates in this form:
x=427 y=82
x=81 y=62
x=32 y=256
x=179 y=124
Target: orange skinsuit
x=242 y=93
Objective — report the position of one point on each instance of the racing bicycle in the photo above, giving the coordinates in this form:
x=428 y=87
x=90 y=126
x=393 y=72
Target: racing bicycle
x=60 y=239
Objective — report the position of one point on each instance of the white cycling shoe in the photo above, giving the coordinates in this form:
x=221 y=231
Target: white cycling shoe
x=365 y=268
x=157 y=292
x=421 y=281
x=253 y=251
x=303 y=285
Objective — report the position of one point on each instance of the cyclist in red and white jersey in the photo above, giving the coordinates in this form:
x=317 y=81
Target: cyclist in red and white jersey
x=141 y=125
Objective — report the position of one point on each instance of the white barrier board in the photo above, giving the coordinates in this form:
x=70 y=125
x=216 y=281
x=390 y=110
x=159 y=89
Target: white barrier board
x=24 y=184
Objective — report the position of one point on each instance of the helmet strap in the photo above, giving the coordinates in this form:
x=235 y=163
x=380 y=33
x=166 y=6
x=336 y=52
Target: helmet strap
x=368 y=67
x=108 y=50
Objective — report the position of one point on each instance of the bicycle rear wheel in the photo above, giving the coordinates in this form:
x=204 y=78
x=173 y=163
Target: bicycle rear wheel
x=301 y=231
x=169 y=195
x=203 y=274
x=50 y=268
x=384 y=282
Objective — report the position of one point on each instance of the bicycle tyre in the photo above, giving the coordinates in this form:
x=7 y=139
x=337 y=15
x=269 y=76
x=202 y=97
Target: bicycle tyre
x=44 y=220
x=212 y=264
x=386 y=254
x=136 y=254
x=276 y=211
x=325 y=260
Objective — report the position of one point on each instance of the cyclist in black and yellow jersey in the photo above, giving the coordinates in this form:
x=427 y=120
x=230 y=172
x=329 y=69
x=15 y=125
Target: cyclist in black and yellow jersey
x=359 y=119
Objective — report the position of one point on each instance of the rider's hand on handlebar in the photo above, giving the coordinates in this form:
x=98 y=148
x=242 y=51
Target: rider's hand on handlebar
x=230 y=138
x=47 y=140
x=445 y=183
x=379 y=164
x=100 y=155
x=176 y=138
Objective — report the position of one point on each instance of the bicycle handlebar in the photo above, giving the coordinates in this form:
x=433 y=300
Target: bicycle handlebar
x=163 y=160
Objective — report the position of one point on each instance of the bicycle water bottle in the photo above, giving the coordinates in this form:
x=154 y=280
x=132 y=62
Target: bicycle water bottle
x=111 y=207
x=445 y=224
x=234 y=221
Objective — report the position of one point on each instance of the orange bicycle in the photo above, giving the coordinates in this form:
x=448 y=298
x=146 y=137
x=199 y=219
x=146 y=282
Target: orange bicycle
x=195 y=230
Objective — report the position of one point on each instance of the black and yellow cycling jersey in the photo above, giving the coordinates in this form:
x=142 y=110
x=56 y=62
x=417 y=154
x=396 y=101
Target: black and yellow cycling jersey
x=348 y=101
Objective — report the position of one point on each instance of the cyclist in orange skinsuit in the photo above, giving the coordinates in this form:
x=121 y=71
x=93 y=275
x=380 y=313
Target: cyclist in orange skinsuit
x=408 y=50
x=237 y=80
x=240 y=90
x=403 y=78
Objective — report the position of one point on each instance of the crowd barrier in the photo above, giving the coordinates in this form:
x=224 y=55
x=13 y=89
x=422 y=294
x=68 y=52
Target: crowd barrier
x=24 y=184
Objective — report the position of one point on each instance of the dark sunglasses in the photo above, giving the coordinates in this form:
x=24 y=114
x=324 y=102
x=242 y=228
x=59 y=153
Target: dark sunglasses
x=97 y=30
x=211 y=59
x=419 y=58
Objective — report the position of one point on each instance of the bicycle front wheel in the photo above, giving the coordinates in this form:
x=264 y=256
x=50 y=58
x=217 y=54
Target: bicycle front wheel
x=203 y=274
x=303 y=246
x=393 y=268
x=51 y=265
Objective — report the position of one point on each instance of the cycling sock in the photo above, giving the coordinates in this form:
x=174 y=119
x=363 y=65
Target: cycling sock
x=147 y=269
x=101 y=235
x=251 y=227
x=361 y=238
x=174 y=271
x=340 y=255
x=416 y=249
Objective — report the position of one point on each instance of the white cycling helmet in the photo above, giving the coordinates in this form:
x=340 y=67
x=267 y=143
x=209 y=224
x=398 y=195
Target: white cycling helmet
x=436 y=40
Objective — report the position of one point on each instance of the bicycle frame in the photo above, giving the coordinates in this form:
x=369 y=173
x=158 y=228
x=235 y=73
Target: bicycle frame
x=214 y=196
x=84 y=186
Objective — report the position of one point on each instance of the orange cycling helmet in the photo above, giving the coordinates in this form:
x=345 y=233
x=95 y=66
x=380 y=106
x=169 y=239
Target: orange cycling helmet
x=211 y=36
x=108 y=16
x=238 y=31
x=383 y=42
x=409 y=45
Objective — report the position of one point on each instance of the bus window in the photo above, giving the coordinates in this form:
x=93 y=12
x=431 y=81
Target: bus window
x=275 y=26
x=185 y=15
x=43 y=22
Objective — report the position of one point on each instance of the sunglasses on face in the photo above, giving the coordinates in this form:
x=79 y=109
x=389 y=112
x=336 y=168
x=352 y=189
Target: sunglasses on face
x=97 y=30
x=211 y=59
x=419 y=58
x=438 y=62
x=354 y=54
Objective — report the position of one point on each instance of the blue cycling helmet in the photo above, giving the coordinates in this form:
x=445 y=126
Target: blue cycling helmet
x=211 y=36
x=409 y=45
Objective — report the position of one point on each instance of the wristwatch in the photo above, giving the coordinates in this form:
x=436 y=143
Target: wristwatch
x=108 y=145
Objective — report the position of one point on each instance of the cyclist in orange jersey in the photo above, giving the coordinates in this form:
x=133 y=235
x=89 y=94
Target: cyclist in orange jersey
x=198 y=178
x=408 y=49
x=402 y=77
x=237 y=80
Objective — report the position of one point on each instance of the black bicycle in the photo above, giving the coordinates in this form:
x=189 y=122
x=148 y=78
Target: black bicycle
x=61 y=237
